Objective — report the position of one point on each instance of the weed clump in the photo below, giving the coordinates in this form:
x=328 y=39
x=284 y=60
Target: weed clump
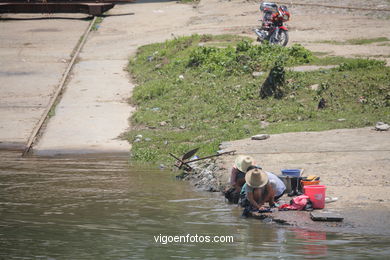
x=245 y=57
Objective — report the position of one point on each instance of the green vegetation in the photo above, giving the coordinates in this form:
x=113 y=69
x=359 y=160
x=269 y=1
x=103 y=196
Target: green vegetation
x=367 y=41
x=97 y=23
x=199 y=91
x=359 y=41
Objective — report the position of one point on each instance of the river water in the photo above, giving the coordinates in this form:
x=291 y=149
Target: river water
x=104 y=208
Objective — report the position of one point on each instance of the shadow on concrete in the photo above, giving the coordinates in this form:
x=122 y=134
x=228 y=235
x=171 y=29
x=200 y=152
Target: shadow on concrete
x=153 y=1
x=87 y=18
x=45 y=18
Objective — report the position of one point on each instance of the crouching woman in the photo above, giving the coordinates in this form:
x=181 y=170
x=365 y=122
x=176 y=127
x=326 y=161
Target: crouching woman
x=260 y=187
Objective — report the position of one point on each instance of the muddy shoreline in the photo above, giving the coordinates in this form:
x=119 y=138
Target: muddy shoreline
x=364 y=205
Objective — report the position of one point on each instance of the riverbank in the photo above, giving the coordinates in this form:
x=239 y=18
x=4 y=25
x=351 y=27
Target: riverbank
x=352 y=163
x=131 y=26
x=201 y=90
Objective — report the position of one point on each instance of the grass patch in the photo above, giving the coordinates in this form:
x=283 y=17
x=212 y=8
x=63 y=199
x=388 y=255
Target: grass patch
x=359 y=41
x=199 y=96
x=367 y=41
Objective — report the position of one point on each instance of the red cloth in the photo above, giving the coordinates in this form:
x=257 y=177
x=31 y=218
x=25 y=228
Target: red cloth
x=298 y=203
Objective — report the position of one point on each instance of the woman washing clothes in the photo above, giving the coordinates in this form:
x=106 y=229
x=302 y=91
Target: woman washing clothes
x=260 y=187
x=237 y=177
x=240 y=167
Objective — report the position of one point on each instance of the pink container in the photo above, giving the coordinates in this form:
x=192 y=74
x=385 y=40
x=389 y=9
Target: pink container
x=316 y=195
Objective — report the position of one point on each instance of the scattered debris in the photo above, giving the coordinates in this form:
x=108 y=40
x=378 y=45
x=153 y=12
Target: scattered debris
x=341 y=119
x=314 y=87
x=260 y=137
x=362 y=100
x=264 y=124
x=257 y=74
x=181 y=77
x=380 y=126
x=330 y=199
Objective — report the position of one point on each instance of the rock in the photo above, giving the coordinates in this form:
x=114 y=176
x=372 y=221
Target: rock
x=137 y=140
x=314 y=87
x=138 y=136
x=155 y=109
x=148 y=139
x=380 y=126
x=150 y=58
x=165 y=142
x=260 y=137
x=341 y=119
x=181 y=77
x=257 y=74
x=163 y=123
x=182 y=127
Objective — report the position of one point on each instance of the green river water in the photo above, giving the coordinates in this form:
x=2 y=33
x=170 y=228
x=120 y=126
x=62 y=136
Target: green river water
x=103 y=208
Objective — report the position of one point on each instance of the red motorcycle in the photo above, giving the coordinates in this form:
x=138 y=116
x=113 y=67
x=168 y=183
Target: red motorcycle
x=272 y=28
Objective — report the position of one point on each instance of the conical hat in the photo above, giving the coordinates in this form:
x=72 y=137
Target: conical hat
x=243 y=162
x=256 y=178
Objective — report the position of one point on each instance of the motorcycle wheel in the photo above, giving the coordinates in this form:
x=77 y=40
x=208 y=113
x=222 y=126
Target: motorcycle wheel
x=281 y=38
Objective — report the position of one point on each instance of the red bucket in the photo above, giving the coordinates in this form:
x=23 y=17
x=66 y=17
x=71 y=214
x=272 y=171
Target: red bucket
x=316 y=195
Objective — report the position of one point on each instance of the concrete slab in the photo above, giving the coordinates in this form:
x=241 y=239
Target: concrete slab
x=94 y=108
x=34 y=54
x=92 y=113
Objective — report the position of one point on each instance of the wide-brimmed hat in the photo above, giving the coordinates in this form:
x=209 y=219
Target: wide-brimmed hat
x=256 y=178
x=243 y=162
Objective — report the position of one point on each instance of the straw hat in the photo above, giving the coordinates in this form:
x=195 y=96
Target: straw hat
x=256 y=178
x=243 y=162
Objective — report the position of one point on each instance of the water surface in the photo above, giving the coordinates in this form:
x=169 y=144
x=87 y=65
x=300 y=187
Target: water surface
x=103 y=208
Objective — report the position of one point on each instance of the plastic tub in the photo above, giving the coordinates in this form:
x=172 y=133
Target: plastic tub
x=316 y=195
x=291 y=172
